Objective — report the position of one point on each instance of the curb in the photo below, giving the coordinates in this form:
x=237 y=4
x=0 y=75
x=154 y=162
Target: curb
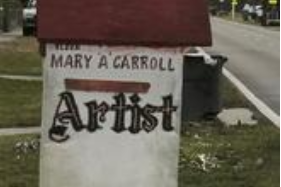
x=18 y=131
x=21 y=77
x=260 y=105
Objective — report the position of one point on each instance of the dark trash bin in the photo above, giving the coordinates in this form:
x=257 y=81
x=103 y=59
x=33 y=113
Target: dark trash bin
x=201 y=88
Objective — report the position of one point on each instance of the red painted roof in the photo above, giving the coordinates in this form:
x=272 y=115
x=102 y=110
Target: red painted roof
x=125 y=22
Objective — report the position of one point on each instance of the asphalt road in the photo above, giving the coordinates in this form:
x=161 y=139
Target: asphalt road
x=254 y=57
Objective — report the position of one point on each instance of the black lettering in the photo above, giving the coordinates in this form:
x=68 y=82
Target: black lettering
x=67 y=47
x=142 y=118
x=120 y=109
x=135 y=61
x=136 y=114
x=68 y=61
x=150 y=122
x=63 y=118
x=167 y=109
x=153 y=63
x=170 y=65
x=161 y=65
x=88 y=59
x=103 y=62
x=78 y=61
x=144 y=60
x=96 y=113
x=56 y=61
x=125 y=63
x=117 y=65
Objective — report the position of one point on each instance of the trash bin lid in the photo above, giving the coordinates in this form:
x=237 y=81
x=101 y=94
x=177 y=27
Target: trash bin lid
x=125 y=22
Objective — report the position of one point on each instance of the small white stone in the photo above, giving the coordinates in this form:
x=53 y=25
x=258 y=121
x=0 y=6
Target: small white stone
x=259 y=162
x=236 y=116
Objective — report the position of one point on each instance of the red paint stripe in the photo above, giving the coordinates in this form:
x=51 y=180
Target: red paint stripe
x=107 y=86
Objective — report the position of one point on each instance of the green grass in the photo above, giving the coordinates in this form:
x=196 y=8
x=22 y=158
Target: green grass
x=231 y=97
x=20 y=57
x=238 y=156
x=246 y=157
x=243 y=156
x=18 y=169
x=20 y=103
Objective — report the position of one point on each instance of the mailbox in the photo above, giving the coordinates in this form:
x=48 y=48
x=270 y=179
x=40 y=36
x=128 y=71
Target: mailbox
x=113 y=73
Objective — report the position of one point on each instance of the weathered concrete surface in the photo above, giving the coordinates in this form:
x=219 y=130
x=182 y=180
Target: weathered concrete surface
x=21 y=77
x=24 y=130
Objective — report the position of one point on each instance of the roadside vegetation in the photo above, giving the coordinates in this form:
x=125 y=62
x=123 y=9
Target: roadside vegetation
x=216 y=155
x=20 y=57
x=212 y=153
x=20 y=103
x=19 y=166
